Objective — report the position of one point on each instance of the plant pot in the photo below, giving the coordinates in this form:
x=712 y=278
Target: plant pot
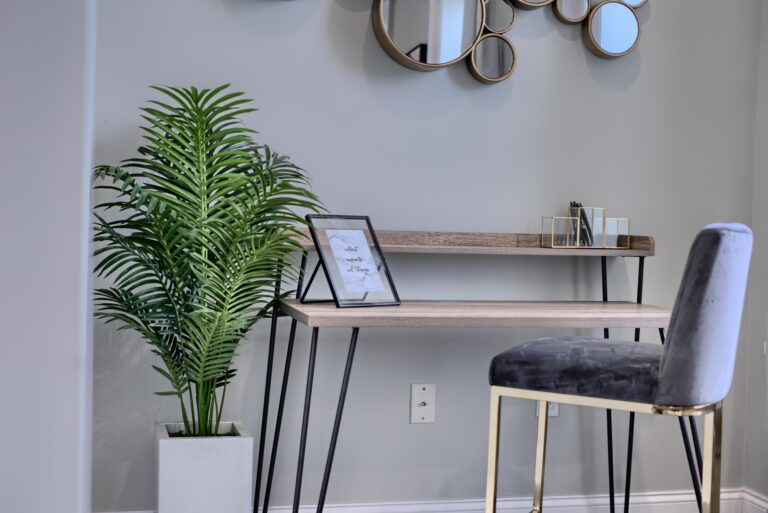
x=206 y=474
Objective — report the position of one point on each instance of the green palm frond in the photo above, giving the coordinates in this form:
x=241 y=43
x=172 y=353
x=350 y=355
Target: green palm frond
x=199 y=227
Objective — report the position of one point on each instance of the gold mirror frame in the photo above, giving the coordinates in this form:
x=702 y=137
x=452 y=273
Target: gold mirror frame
x=389 y=46
x=589 y=39
x=484 y=31
x=475 y=71
x=565 y=19
x=531 y=4
x=487 y=28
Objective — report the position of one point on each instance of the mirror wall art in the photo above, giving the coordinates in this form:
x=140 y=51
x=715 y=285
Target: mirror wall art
x=426 y=35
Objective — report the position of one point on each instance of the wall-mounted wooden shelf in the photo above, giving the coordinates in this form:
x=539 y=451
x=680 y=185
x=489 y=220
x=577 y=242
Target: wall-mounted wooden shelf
x=471 y=243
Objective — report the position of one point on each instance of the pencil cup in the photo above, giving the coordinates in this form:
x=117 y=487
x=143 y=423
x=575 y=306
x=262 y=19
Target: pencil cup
x=591 y=226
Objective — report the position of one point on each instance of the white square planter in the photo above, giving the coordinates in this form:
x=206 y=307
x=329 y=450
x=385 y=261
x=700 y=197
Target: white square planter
x=204 y=475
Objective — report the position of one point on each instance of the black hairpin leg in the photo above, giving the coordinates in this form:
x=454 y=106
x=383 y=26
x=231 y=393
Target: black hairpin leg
x=337 y=421
x=278 y=421
x=268 y=386
x=695 y=477
x=305 y=421
x=696 y=444
x=267 y=390
x=631 y=437
x=691 y=464
x=608 y=413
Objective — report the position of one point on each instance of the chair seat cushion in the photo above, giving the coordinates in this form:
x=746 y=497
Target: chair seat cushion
x=593 y=367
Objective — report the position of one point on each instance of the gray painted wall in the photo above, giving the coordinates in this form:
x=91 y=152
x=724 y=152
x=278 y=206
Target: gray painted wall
x=46 y=76
x=665 y=136
x=756 y=420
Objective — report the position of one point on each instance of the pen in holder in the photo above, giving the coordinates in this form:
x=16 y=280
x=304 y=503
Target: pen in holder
x=591 y=233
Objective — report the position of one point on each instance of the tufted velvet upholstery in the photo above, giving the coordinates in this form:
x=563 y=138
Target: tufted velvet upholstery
x=694 y=367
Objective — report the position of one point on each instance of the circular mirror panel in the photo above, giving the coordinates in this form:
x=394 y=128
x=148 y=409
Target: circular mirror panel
x=531 y=4
x=572 y=11
x=612 y=30
x=499 y=16
x=425 y=34
x=493 y=59
x=634 y=3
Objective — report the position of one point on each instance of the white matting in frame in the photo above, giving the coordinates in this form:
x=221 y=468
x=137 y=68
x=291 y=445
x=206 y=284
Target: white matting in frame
x=352 y=261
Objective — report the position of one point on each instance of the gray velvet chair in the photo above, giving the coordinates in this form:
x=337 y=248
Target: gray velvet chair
x=689 y=376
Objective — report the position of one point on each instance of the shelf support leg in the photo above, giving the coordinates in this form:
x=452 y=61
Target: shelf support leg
x=631 y=436
x=305 y=421
x=608 y=413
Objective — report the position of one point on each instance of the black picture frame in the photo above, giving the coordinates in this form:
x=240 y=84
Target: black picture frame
x=318 y=225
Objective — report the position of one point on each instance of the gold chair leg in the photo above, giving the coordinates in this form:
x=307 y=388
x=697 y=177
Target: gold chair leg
x=713 y=440
x=493 y=453
x=541 y=454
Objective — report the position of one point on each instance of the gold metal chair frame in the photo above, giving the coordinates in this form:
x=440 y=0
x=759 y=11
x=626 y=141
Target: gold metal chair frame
x=713 y=436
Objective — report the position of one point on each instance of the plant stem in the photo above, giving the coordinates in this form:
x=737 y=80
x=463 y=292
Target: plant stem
x=184 y=413
x=215 y=412
x=202 y=410
x=195 y=421
x=223 y=396
x=211 y=397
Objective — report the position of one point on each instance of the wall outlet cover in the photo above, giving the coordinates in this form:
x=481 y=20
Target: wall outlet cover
x=423 y=403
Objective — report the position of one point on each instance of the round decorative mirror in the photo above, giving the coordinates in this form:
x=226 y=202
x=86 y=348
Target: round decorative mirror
x=612 y=29
x=426 y=35
x=531 y=4
x=492 y=60
x=499 y=16
x=634 y=3
x=572 y=11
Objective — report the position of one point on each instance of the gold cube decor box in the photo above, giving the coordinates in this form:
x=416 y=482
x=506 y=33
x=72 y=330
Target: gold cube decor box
x=559 y=232
x=585 y=227
x=617 y=233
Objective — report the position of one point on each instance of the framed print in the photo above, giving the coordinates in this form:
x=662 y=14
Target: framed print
x=352 y=261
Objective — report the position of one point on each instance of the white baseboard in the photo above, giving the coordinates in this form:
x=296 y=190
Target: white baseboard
x=754 y=502
x=732 y=501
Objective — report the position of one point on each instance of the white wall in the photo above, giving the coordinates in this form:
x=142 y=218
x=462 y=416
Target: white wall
x=756 y=419
x=664 y=136
x=46 y=67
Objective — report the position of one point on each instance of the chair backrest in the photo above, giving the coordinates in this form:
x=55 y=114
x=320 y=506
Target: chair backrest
x=699 y=355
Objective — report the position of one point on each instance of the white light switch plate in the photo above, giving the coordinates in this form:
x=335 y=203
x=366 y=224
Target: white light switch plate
x=422 y=403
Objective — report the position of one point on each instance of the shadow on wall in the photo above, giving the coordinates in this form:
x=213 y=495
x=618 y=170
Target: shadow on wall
x=272 y=17
x=125 y=433
x=614 y=74
x=355 y=5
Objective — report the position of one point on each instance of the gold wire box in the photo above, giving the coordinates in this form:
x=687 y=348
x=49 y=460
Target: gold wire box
x=585 y=227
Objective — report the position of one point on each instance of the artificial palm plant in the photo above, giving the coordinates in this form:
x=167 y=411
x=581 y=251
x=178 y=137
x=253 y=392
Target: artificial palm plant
x=199 y=229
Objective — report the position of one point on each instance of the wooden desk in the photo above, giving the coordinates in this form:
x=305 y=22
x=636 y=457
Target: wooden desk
x=481 y=314
x=452 y=314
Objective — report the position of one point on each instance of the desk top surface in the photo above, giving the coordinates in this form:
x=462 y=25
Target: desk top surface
x=476 y=243
x=482 y=314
